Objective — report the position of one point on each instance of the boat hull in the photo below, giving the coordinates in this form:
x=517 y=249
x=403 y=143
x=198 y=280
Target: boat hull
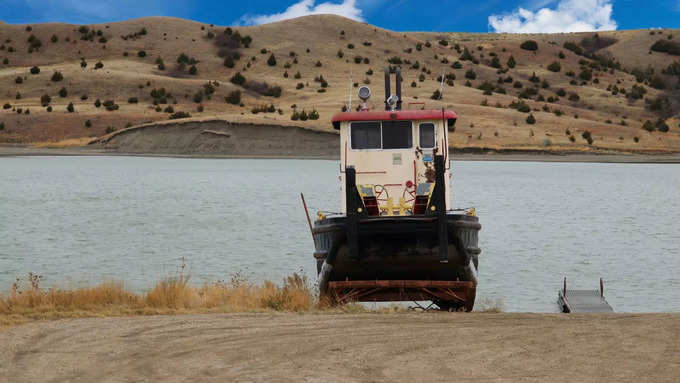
x=399 y=248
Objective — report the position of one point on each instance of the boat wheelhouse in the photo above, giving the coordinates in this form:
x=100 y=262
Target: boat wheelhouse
x=397 y=237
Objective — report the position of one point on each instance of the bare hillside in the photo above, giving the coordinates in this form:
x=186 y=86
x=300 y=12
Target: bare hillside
x=557 y=92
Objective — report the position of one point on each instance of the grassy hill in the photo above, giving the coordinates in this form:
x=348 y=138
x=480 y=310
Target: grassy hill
x=563 y=91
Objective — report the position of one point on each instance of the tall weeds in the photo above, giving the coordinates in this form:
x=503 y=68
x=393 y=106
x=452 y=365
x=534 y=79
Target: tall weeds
x=170 y=295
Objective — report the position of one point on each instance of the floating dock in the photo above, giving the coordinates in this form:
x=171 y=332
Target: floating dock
x=583 y=301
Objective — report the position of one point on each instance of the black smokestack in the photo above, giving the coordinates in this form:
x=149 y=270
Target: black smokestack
x=398 y=86
x=387 y=87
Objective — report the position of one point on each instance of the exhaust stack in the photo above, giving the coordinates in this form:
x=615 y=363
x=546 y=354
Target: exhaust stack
x=392 y=101
x=387 y=88
x=398 y=86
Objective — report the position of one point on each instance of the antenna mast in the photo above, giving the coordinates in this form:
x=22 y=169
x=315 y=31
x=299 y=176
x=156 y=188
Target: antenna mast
x=441 y=87
x=349 y=109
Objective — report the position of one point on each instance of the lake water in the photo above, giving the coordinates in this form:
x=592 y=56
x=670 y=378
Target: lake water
x=81 y=220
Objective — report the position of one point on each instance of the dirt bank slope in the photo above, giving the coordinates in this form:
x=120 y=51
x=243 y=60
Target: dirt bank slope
x=348 y=348
x=222 y=138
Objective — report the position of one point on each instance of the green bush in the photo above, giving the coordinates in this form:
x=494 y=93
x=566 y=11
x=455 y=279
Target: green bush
x=572 y=46
x=436 y=95
x=234 y=97
x=133 y=100
x=110 y=105
x=511 y=62
x=35 y=70
x=178 y=115
x=467 y=56
x=45 y=100
x=34 y=42
x=57 y=76
x=238 y=79
x=141 y=54
x=586 y=75
x=520 y=106
x=19 y=80
x=63 y=92
x=193 y=70
x=88 y=124
x=470 y=74
x=587 y=136
x=70 y=107
x=531 y=119
x=271 y=61
x=555 y=67
x=99 y=65
x=529 y=45
x=229 y=62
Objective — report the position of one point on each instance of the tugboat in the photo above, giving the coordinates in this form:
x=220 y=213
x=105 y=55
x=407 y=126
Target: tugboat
x=397 y=237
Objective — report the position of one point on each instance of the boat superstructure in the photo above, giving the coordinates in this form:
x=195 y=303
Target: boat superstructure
x=397 y=237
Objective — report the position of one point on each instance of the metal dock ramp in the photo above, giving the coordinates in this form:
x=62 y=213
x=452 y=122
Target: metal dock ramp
x=583 y=301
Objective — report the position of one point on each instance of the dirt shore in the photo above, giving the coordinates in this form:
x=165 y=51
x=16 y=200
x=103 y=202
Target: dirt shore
x=418 y=347
x=29 y=151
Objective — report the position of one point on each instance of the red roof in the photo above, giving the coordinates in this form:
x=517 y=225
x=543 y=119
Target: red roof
x=397 y=115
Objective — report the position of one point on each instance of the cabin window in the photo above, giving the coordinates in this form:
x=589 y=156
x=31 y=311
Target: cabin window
x=366 y=135
x=427 y=138
x=397 y=135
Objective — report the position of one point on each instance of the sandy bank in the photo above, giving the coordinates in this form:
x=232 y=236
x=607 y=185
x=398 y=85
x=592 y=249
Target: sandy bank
x=221 y=138
x=418 y=347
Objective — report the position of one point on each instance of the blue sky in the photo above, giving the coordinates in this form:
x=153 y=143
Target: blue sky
x=401 y=15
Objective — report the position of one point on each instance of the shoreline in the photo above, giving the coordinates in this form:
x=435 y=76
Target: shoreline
x=625 y=158
x=395 y=347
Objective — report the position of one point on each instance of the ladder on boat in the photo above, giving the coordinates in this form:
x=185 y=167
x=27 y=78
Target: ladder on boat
x=583 y=301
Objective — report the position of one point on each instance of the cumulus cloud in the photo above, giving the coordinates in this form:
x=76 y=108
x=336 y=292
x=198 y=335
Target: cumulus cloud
x=568 y=16
x=347 y=8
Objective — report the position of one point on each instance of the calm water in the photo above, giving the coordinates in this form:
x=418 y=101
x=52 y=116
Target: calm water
x=79 y=221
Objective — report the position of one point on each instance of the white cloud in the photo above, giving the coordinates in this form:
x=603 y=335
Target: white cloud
x=568 y=16
x=347 y=8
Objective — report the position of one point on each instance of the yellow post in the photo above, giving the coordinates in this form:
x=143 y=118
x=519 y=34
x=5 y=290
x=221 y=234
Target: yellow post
x=402 y=206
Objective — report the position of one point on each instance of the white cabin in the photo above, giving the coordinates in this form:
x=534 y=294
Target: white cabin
x=393 y=154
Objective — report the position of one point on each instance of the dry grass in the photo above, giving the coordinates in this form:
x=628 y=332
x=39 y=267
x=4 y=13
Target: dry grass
x=68 y=143
x=169 y=296
x=488 y=305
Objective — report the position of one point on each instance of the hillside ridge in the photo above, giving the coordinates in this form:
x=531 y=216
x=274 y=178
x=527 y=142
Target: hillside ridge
x=613 y=91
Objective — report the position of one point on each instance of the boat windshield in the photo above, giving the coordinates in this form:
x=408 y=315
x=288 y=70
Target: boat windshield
x=385 y=135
